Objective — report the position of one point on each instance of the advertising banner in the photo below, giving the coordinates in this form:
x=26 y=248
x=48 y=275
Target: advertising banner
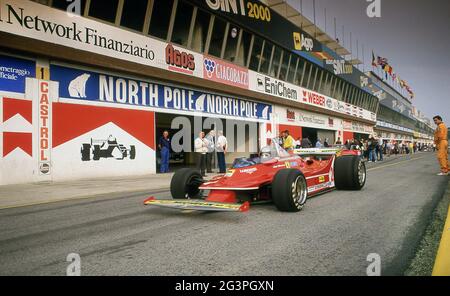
x=271 y=86
x=99 y=88
x=357 y=127
x=40 y=22
x=223 y=72
x=257 y=17
x=306 y=119
x=13 y=72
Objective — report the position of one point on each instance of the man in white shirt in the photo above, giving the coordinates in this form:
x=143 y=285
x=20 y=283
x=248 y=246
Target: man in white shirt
x=201 y=148
x=211 y=148
x=221 y=148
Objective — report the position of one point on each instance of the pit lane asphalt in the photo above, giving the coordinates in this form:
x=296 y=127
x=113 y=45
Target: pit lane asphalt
x=332 y=235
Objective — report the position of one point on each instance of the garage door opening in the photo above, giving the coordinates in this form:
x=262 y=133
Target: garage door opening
x=242 y=137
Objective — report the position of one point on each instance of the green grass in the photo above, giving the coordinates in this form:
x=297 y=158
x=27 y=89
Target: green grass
x=422 y=264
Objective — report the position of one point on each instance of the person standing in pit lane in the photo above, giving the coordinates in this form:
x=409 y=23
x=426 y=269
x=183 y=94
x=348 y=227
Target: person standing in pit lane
x=211 y=149
x=288 y=143
x=221 y=148
x=164 y=148
x=201 y=148
x=441 y=142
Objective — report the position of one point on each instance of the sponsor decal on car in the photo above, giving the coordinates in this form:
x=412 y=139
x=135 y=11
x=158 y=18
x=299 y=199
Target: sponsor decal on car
x=248 y=171
x=278 y=166
x=230 y=173
x=320 y=186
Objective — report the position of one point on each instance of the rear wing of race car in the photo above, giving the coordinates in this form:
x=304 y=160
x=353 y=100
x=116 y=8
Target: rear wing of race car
x=317 y=151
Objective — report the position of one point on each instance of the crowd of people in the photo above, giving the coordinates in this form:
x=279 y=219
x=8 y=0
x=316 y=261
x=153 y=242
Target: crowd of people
x=205 y=146
x=373 y=149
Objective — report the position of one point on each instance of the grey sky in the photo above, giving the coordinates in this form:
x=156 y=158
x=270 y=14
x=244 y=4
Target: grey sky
x=413 y=35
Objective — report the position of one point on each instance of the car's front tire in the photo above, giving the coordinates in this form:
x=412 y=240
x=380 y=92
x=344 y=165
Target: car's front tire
x=185 y=183
x=349 y=172
x=289 y=190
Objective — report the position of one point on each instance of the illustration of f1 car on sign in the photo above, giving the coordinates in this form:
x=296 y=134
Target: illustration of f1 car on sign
x=275 y=175
x=108 y=148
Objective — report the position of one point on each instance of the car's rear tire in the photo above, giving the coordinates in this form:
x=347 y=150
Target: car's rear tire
x=289 y=190
x=349 y=172
x=185 y=184
x=86 y=152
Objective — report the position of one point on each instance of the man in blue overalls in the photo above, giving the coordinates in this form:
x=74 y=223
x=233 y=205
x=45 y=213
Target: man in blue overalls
x=164 y=147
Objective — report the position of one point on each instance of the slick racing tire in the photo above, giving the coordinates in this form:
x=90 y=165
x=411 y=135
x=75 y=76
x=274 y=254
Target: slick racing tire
x=132 y=152
x=86 y=152
x=185 y=184
x=349 y=173
x=289 y=190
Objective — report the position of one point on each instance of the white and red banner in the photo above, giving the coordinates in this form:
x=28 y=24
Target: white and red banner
x=223 y=72
x=271 y=86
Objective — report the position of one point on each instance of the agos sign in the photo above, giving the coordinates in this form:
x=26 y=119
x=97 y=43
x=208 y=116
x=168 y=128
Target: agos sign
x=179 y=59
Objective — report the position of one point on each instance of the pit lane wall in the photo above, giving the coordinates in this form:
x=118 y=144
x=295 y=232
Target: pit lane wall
x=44 y=138
x=76 y=122
x=91 y=111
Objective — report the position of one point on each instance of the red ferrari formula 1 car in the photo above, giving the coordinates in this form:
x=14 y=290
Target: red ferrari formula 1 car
x=276 y=175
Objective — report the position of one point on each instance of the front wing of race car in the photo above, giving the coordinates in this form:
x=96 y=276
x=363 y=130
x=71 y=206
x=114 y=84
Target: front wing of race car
x=197 y=205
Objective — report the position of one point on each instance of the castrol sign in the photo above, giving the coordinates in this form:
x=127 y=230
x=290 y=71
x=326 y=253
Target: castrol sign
x=43 y=94
x=44 y=130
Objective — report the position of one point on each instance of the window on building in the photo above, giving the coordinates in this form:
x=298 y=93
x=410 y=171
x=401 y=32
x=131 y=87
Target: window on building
x=256 y=53
x=232 y=43
x=200 y=31
x=182 y=24
x=345 y=92
x=284 y=66
x=360 y=98
x=307 y=74
x=99 y=10
x=266 y=56
x=352 y=95
x=292 y=69
x=217 y=37
x=159 y=22
x=244 y=48
x=275 y=65
x=63 y=4
x=332 y=84
x=320 y=83
x=313 y=80
x=300 y=73
x=133 y=14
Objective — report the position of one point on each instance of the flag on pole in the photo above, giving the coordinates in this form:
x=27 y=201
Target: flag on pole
x=374 y=60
